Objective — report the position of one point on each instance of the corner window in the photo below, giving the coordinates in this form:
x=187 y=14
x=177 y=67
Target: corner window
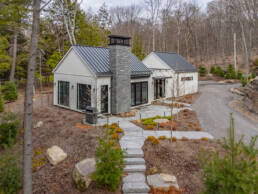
x=63 y=93
x=139 y=93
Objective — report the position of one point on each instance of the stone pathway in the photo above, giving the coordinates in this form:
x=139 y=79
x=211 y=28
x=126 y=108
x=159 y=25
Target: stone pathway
x=133 y=140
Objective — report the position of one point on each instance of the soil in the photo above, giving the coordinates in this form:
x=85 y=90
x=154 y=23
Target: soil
x=60 y=127
x=179 y=158
x=185 y=120
x=189 y=98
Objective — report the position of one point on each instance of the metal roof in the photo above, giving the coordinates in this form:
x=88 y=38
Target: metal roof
x=176 y=62
x=98 y=60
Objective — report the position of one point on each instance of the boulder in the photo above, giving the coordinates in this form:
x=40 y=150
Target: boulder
x=162 y=181
x=38 y=124
x=82 y=173
x=55 y=155
x=251 y=95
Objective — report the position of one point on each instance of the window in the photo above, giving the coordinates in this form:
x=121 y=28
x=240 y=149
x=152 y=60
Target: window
x=83 y=96
x=187 y=78
x=139 y=93
x=63 y=93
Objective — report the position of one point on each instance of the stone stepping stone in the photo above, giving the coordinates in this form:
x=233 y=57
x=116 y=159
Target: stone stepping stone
x=135 y=168
x=134 y=177
x=130 y=145
x=134 y=153
x=134 y=161
x=139 y=187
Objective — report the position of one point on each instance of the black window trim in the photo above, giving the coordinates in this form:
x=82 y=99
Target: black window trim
x=146 y=82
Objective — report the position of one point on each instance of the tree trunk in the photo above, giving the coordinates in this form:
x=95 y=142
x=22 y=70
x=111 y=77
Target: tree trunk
x=235 y=57
x=153 y=38
x=40 y=72
x=14 y=55
x=27 y=165
x=245 y=49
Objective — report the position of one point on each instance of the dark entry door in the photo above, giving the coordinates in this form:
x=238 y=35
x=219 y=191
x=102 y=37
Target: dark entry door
x=104 y=98
x=83 y=96
x=159 y=88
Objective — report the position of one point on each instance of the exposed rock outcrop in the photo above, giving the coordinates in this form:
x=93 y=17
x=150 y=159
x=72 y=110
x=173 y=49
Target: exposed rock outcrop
x=251 y=95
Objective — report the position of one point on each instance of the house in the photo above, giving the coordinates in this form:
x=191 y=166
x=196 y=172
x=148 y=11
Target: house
x=171 y=76
x=113 y=79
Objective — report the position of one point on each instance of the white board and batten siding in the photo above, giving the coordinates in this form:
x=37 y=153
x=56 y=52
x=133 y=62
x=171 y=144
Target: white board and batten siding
x=73 y=70
x=188 y=87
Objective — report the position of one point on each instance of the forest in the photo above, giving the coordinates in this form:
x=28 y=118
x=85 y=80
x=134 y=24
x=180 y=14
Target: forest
x=202 y=36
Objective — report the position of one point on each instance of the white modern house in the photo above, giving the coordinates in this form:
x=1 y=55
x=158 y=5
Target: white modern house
x=113 y=79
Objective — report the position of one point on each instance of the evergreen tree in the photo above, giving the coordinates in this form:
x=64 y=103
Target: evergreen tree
x=4 y=58
x=137 y=47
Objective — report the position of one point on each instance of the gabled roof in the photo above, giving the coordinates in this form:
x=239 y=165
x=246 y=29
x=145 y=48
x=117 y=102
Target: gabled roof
x=97 y=59
x=176 y=62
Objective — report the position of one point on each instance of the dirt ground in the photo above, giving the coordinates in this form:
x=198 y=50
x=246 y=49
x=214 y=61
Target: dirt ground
x=185 y=120
x=60 y=127
x=179 y=158
x=190 y=98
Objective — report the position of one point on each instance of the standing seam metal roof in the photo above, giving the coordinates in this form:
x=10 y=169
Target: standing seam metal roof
x=176 y=62
x=98 y=60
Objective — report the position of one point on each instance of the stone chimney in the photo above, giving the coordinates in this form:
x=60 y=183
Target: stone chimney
x=119 y=54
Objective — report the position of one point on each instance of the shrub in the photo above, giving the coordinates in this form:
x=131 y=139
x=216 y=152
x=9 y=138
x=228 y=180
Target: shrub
x=119 y=130
x=1 y=102
x=253 y=75
x=10 y=174
x=212 y=70
x=219 y=71
x=163 y=137
x=10 y=91
x=230 y=74
x=155 y=141
x=198 y=129
x=115 y=136
x=173 y=139
x=244 y=81
x=204 y=139
x=239 y=75
x=8 y=129
x=202 y=71
x=109 y=164
x=184 y=138
x=150 y=138
x=114 y=125
x=233 y=172
x=149 y=122
x=150 y=127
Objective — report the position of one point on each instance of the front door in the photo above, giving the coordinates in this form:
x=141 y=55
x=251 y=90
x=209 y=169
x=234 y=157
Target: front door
x=159 y=88
x=104 y=98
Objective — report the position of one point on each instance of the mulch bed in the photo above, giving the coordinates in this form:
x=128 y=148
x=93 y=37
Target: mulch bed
x=61 y=127
x=185 y=120
x=179 y=158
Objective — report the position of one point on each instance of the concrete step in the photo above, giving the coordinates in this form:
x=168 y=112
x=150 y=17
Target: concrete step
x=134 y=161
x=134 y=153
x=135 y=168
x=134 y=177
x=139 y=187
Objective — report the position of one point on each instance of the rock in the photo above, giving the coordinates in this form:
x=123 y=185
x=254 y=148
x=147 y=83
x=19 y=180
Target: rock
x=55 y=155
x=251 y=95
x=82 y=173
x=162 y=181
x=38 y=124
x=236 y=91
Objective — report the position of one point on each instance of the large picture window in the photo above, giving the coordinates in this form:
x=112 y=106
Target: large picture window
x=139 y=93
x=83 y=96
x=63 y=93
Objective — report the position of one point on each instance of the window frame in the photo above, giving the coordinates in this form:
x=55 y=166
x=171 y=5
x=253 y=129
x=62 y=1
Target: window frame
x=59 y=92
x=133 y=89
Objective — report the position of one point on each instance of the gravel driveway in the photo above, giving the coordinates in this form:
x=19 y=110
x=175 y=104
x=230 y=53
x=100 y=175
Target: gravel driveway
x=213 y=111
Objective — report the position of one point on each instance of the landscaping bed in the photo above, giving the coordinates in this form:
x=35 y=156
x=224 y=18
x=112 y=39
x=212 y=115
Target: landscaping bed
x=60 y=127
x=178 y=158
x=189 y=98
x=185 y=120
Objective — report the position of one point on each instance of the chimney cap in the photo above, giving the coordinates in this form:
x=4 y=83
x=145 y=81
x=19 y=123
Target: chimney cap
x=119 y=40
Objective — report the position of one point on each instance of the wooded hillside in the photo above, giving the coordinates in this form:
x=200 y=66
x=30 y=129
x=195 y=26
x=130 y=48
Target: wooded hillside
x=201 y=36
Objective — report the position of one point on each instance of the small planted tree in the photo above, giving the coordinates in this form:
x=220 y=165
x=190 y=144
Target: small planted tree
x=1 y=102
x=219 y=71
x=212 y=70
x=10 y=91
x=230 y=74
x=236 y=171
x=109 y=162
x=202 y=71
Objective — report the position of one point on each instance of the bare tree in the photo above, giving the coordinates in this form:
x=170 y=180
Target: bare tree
x=69 y=10
x=153 y=7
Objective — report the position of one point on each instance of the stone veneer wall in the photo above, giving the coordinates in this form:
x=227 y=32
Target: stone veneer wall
x=121 y=78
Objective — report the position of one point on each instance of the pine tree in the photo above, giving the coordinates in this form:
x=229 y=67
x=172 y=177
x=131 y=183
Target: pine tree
x=4 y=58
x=137 y=47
